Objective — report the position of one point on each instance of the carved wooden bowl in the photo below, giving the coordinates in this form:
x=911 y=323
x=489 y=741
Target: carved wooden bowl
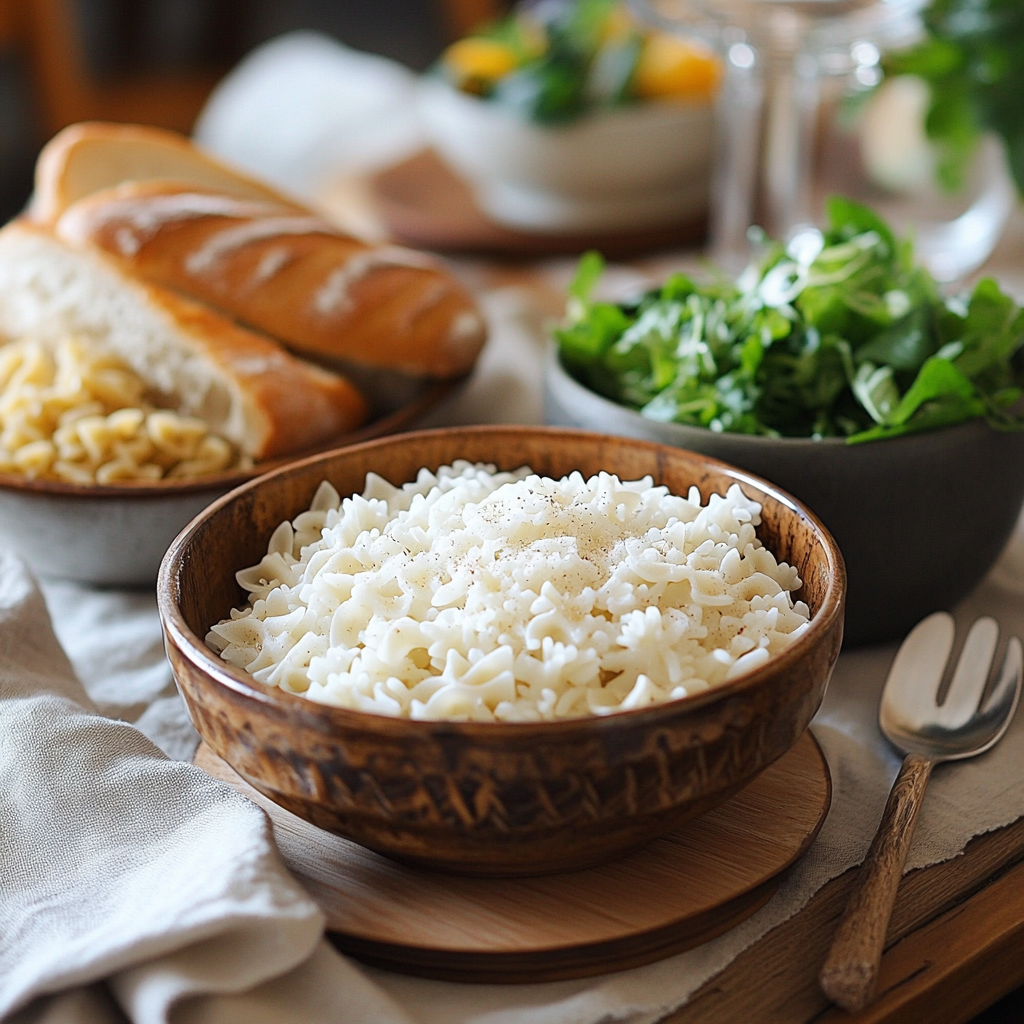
x=493 y=798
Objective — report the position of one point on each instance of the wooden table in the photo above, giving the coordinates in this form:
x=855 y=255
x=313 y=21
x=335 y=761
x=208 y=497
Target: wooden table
x=956 y=946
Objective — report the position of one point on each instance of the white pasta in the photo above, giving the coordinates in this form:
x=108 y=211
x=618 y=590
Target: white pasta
x=70 y=412
x=485 y=596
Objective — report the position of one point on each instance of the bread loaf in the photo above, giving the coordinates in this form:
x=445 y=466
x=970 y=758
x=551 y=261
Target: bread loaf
x=88 y=157
x=246 y=387
x=289 y=274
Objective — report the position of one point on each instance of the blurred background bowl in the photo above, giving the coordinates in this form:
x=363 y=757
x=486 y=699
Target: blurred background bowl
x=626 y=167
x=493 y=798
x=920 y=519
x=107 y=535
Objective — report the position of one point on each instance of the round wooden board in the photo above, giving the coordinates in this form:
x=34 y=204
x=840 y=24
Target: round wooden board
x=673 y=894
x=423 y=203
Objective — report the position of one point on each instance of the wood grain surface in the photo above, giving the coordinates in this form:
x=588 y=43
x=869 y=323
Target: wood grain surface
x=851 y=968
x=956 y=945
x=423 y=203
x=675 y=893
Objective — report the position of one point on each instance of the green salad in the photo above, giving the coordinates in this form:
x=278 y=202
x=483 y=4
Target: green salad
x=838 y=334
x=555 y=61
x=972 y=57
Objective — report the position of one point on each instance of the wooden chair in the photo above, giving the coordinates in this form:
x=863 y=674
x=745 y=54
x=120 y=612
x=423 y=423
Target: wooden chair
x=45 y=33
x=460 y=16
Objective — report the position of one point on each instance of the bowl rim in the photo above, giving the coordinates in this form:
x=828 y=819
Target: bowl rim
x=194 y=649
x=433 y=394
x=554 y=369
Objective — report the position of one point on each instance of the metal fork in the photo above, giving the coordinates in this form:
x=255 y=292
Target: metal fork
x=927 y=733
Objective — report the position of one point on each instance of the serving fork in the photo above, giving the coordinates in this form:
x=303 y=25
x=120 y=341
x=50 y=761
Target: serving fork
x=927 y=732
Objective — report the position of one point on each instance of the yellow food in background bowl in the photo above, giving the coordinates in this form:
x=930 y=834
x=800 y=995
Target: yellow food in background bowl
x=672 y=67
x=475 y=64
x=581 y=60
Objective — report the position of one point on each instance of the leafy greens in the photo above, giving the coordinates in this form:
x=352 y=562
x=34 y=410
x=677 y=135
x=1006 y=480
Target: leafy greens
x=837 y=334
x=973 y=59
x=558 y=60
x=575 y=67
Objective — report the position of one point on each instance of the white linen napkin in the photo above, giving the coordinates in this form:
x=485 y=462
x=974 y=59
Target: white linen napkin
x=303 y=109
x=117 y=863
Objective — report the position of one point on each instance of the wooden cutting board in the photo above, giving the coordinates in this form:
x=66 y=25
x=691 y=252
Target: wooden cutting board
x=672 y=895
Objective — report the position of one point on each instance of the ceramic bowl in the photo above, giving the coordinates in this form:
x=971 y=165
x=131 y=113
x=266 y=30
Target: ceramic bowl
x=493 y=798
x=919 y=519
x=630 y=167
x=116 y=535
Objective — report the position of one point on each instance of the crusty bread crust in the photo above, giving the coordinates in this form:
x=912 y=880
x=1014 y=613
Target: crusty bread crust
x=243 y=385
x=87 y=157
x=288 y=274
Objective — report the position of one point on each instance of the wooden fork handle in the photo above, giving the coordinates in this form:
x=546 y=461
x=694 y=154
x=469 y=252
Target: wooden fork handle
x=851 y=969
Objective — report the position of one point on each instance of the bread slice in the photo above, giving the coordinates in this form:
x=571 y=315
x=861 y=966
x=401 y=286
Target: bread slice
x=291 y=275
x=85 y=158
x=247 y=388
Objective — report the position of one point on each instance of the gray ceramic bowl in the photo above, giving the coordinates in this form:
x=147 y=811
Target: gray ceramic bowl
x=919 y=519
x=112 y=536
x=116 y=535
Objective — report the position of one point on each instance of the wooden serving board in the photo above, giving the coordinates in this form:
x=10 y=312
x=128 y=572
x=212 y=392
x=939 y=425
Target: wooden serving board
x=423 y=203
x=673 y=894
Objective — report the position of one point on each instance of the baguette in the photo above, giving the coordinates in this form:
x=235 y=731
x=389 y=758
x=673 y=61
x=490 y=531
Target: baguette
x=247 y=389
x=290 y=275
x=88 y=157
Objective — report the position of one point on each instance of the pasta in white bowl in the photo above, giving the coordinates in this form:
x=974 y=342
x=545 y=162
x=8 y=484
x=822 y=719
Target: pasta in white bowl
x=71 y=412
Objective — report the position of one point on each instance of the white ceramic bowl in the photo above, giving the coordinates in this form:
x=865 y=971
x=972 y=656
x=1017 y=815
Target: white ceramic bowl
x=116 y=535
x=111 y=536
x=627 y=167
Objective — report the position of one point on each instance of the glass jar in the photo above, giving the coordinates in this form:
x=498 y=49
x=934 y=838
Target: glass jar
x=799 y=117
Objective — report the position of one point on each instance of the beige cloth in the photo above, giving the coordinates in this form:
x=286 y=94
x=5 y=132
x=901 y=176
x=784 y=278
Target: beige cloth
x=121 y=865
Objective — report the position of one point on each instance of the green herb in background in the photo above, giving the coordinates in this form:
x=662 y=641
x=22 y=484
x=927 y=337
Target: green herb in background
x=577 y=66
x=838 y=334
x=973 y=60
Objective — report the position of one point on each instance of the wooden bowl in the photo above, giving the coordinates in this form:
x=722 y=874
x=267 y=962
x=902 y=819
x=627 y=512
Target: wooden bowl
x=116 y=534
x=493 y=798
